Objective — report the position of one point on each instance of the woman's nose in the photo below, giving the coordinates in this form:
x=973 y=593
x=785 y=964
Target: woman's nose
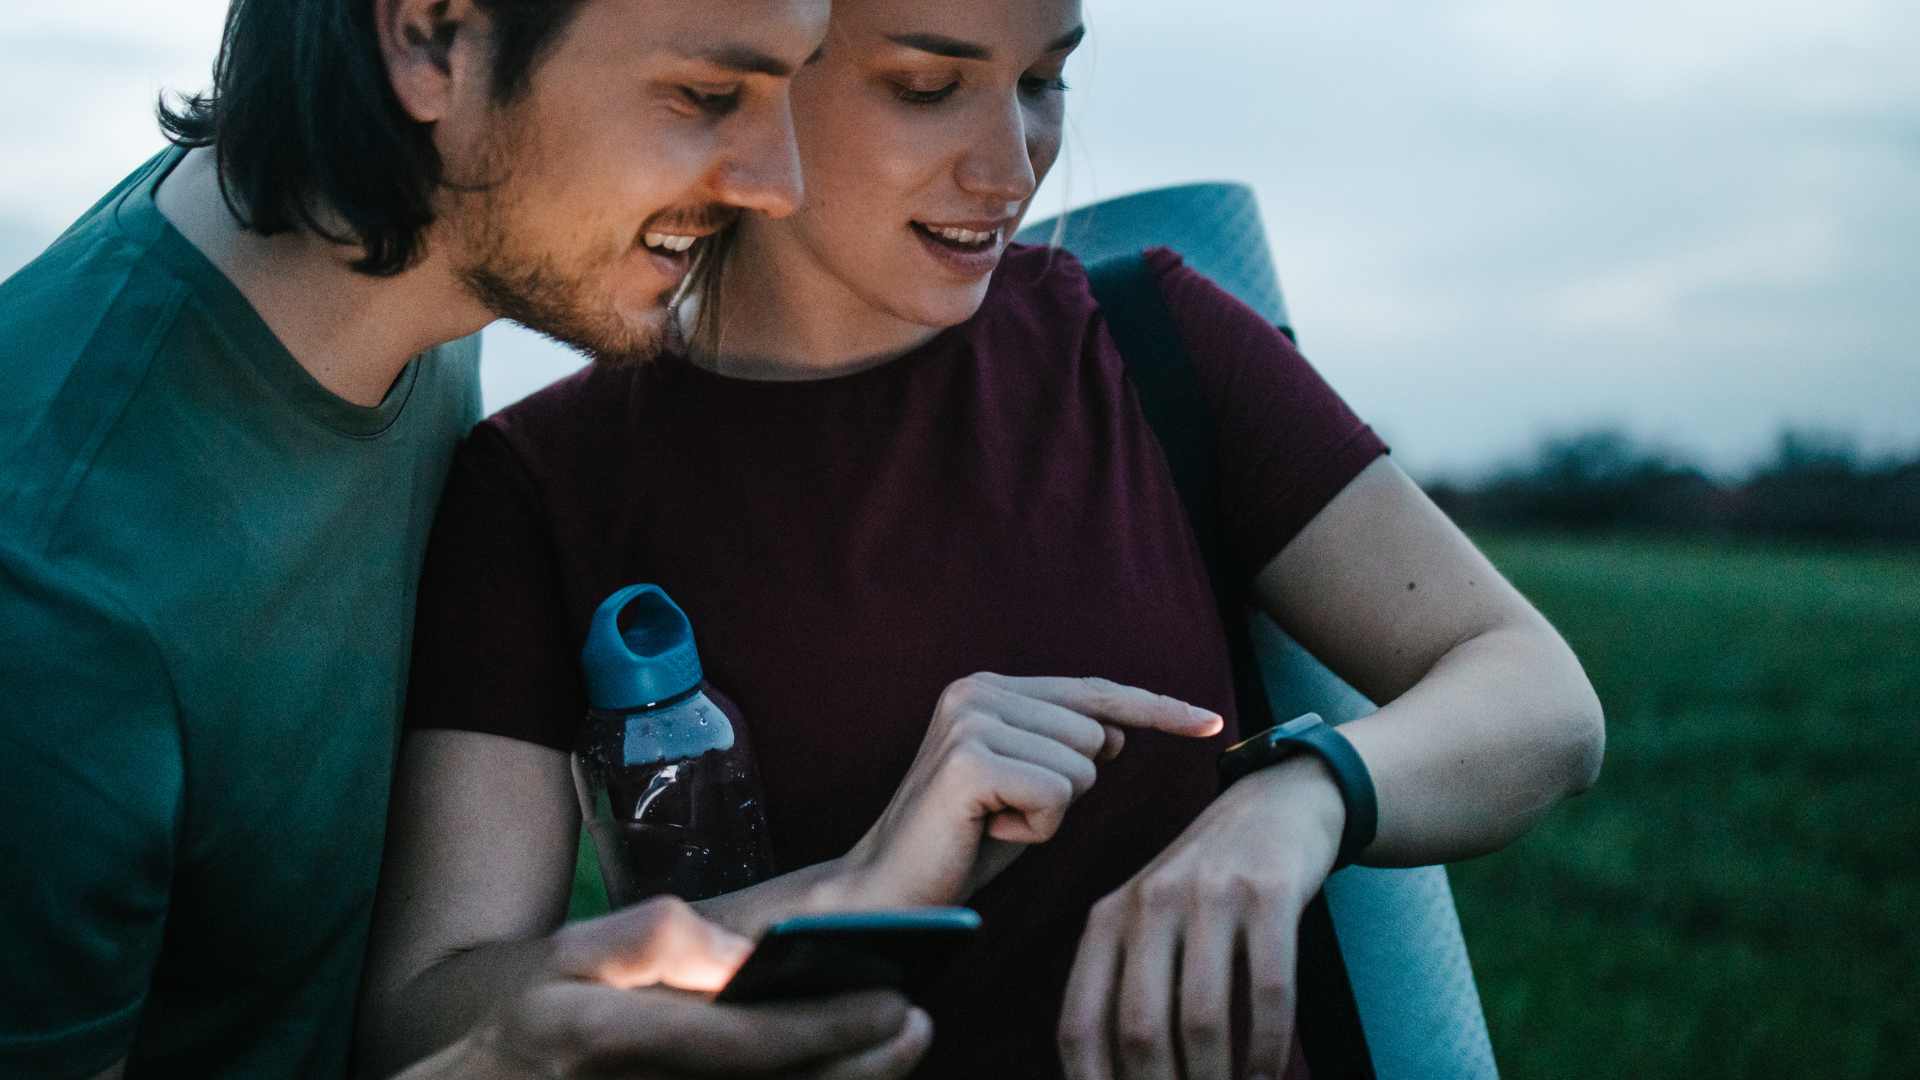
x=998 y=163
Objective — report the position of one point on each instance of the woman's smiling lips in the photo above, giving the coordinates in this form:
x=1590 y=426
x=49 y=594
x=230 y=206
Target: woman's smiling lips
x=970 y=249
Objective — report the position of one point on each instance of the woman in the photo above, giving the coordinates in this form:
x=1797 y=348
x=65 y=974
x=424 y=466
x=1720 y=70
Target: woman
x=897 y=450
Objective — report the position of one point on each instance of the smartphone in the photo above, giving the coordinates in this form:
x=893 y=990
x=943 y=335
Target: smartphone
x=820 y=955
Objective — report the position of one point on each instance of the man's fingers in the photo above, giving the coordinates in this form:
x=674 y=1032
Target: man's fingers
x=1206 y=995
x=889 y=1060
x=844 y=1029
x=660 y=941
x=1103 y=699
x=607 y=1030
x=1086 y=1014
x=1273 y=935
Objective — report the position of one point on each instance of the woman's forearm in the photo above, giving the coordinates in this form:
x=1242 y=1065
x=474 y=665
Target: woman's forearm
x=818 y=888
x=1503 y=726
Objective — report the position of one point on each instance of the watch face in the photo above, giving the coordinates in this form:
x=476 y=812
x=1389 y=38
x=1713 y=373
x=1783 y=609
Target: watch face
x=1268 y=738
x=1296 y=725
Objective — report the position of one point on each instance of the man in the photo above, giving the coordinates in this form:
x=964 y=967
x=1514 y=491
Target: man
x=229 y=398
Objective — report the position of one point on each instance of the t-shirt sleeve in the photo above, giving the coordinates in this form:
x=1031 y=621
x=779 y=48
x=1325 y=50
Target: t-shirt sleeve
x=1287 y=444
x=491 y=650
x=90 y=797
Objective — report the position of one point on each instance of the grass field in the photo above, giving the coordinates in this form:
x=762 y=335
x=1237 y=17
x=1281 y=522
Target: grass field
x=1738 y=896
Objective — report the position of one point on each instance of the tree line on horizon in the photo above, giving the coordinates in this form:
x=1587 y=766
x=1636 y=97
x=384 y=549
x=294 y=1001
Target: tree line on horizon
x=1813 y=486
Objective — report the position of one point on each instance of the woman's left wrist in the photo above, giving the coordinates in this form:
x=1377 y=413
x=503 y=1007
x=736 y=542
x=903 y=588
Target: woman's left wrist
x=1298 y=795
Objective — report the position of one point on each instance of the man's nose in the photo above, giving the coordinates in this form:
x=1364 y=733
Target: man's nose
x=763 y=172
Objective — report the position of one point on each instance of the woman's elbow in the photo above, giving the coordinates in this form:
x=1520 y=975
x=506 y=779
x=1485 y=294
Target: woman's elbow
x=1569 y=723
x=1584 y=737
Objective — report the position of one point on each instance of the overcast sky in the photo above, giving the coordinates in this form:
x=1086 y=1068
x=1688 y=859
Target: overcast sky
x=1493 y=219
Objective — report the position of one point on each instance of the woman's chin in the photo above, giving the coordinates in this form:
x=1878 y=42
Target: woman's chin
x=938 y=308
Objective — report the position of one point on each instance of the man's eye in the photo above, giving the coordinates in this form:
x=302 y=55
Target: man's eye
x=712 y=104
x=925 y=97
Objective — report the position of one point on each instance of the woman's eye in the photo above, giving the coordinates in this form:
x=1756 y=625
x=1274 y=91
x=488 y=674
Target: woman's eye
x=913 y=96
x=1036 y=85
x=712 y=104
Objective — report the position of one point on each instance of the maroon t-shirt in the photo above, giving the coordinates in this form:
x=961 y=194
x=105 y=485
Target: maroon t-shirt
x=846 y=547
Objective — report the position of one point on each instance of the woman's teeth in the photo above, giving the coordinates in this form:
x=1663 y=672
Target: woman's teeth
x=668 y=242
x=965 y=237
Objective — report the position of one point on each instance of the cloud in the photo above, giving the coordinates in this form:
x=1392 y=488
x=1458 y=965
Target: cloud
x=1835 y=54
x=20 y=242
x=83 y=79
x=1777 y=256
x=108 y=31
x=1492 y=217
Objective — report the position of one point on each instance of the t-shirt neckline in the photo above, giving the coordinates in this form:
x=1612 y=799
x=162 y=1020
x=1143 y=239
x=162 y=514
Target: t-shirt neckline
x=138 y=217
x=940 y=344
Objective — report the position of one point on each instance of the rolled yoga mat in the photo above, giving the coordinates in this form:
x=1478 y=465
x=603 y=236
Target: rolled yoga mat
x=1398 y=931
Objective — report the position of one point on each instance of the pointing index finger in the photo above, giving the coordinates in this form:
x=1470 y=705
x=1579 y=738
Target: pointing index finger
x=1116 y=703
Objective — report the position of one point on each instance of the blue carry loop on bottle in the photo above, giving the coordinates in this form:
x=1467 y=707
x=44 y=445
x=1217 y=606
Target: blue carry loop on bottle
x=1416 y=1012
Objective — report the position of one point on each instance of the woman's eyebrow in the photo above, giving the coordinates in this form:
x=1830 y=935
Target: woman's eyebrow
x=940 y=45
x=1069 y=39
x=954 y=48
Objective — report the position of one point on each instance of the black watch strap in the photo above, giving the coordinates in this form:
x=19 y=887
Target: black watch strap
x=1308 y=733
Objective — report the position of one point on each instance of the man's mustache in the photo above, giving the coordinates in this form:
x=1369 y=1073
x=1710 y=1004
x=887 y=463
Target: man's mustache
x=706 y=219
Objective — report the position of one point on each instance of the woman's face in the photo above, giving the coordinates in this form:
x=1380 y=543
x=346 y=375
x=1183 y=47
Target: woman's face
x=924 y=130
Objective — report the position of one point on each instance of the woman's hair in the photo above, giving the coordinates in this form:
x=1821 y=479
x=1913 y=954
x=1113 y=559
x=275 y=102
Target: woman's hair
x=703 y=286
x=308 y=131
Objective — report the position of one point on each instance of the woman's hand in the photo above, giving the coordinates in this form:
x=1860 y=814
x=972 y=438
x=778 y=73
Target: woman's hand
x=1159 y=956
x=1002 y=761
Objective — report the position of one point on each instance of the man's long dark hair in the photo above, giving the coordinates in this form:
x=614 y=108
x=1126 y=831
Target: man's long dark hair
x=309 y=134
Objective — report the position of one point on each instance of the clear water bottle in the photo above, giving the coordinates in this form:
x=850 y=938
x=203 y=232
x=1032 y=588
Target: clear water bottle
x=666 y=780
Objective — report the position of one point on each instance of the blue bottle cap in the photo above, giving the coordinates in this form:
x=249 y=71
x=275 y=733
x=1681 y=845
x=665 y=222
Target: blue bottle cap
x=652 y=660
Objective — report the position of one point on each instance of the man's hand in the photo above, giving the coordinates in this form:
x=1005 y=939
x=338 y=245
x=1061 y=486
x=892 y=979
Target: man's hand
x=1152 y=989
x=1002 y=761
x=624 y=996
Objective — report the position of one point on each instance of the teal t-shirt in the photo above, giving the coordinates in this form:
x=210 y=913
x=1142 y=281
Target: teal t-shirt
x=207 y=573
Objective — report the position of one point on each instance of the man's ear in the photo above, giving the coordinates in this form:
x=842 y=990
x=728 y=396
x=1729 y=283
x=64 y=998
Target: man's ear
x=431 y=48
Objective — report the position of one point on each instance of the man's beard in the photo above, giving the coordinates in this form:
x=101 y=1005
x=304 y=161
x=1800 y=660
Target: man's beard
x=537 y=293
x=539 y=296
x=534 y=289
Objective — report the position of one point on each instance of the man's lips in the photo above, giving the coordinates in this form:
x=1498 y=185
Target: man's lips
x=675 y=234
x=668 y=243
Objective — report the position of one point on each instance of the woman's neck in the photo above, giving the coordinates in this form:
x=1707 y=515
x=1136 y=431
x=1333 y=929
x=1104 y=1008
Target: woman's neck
x=784 y=318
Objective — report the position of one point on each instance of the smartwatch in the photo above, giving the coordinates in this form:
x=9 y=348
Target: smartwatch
x=1308 y=733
